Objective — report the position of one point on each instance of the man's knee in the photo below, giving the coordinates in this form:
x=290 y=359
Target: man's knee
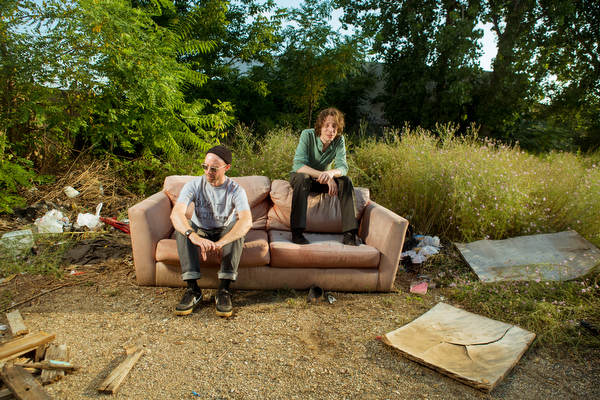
x=344 y=183
x=300 y=180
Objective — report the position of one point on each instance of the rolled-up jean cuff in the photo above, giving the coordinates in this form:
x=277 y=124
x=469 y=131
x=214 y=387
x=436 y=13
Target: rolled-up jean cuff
x=227 y=275
x=191 y=275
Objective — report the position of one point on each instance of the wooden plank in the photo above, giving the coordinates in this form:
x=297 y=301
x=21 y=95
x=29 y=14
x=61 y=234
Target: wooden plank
x=51 y=364
x=112 y=383
x=6 y=394
x=17 y=326
x=23 y=385
x=58 y=353
x=16 y=347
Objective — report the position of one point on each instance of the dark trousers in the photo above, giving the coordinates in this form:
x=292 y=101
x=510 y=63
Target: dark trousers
x=190 y=259
x=303 y=184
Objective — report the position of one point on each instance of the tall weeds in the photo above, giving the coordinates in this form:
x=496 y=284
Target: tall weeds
x=471 y=188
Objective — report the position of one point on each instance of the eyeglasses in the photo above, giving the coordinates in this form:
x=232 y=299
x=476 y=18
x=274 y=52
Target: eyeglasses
x=212 y=169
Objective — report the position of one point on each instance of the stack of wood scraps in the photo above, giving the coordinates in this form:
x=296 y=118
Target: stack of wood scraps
x=28 y=354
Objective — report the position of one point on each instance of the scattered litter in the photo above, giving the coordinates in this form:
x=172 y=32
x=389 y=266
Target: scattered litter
x=3 y=327
x=77 y=273
x=472 y=349
x=7 y=279
x=121 y=225
x=428 y=241
x=420 y=248
x=315 y=293
x=420 y=288
x=16 y=243
x=90 y=220
x=331 y=299
x=95 y=251
x=70 y=192
x=195 y=394
x=52 y=222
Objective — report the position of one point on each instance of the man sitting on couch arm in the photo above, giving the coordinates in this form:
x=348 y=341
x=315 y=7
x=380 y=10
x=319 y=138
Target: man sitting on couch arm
x=213 y=226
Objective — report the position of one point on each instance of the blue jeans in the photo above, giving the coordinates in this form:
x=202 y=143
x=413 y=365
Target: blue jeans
x=190 y=259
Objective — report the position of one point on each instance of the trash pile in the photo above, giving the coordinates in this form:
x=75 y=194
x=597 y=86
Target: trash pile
x=420 y=247
x=74 y=202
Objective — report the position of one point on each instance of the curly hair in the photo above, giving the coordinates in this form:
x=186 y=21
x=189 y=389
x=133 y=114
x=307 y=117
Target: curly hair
x=337 y=115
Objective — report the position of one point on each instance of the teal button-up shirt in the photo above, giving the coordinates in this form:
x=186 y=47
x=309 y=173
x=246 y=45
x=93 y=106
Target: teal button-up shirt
x=310 y=153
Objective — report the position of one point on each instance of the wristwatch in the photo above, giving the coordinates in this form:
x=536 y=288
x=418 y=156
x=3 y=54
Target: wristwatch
x=188 y=233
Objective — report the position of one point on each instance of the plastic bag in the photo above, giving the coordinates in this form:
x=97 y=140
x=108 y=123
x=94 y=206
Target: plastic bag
x=90 y=220
x=52 y=222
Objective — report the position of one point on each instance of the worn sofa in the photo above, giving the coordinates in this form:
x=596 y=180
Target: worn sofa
x=269 y=259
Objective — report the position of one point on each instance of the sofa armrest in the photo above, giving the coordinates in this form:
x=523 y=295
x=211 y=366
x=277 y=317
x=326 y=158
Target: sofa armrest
x=384 y=230
x=149 y=222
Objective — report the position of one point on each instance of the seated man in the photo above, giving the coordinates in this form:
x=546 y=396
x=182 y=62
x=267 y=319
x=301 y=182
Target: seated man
x=216 y=198
x=317 y=150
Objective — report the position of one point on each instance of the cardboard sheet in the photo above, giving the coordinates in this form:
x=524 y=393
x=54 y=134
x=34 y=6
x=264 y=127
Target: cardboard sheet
x=546 y=257
x=474 y=350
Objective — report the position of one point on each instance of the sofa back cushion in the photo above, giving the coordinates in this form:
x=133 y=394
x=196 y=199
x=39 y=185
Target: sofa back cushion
x=256 y=187
x=324 y=213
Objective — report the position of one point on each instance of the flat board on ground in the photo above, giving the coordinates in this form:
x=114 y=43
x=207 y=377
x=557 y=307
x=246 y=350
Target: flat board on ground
x=472 y=349
x=547 y=257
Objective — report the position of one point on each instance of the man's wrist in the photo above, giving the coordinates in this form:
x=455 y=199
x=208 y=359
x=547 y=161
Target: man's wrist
x=188 y=233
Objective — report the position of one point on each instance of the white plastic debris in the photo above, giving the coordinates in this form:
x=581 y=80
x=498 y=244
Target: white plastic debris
x=70 y=192
x=16 y=242
x=52 y=222
x=427 y=247
x=90 y=220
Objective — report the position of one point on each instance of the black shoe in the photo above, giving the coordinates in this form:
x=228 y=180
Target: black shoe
x=298 y=237
x=223 y=301
x=349 y=238
x=190 y=298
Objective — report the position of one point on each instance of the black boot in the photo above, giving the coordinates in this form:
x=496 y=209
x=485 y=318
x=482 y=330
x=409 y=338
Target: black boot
x=350 y=238
x=298 y=236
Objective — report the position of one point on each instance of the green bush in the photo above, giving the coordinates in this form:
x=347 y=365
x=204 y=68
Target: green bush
x=271 y=156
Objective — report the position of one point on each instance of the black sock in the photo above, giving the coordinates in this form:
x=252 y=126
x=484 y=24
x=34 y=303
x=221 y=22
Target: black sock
x=192 y=284
x=224 y=285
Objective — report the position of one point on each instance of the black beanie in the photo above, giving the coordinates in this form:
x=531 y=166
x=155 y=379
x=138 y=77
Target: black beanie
x=222 y=152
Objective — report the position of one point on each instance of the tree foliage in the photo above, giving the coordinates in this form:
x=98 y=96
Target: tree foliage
x=543 y=87
x=314 y=56
x=114 y=79
x=430 y=50
x=569 y=41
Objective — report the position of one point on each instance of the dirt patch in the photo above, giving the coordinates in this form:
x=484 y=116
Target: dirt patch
x=275 y=346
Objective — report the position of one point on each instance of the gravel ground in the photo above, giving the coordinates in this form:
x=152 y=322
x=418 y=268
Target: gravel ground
x=275 y=346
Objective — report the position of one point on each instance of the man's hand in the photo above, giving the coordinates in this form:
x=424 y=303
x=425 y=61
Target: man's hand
x=333 y=187
x=326 y=177
x=204 y=244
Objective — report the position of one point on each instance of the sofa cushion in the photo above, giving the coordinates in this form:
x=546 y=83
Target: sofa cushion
x=254 y=254
x=256 y=187
x=324 y=251
x=324 y=213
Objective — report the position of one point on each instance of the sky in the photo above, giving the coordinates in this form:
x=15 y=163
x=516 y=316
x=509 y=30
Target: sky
x=488 y=40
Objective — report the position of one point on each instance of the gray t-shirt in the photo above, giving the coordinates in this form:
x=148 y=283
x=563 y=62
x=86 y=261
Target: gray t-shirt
x=215 y=207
